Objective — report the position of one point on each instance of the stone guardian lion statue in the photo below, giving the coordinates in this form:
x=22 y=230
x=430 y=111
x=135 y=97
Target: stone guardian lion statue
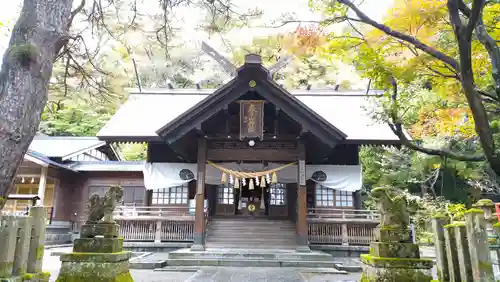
x=393 y=210
x=101 y=208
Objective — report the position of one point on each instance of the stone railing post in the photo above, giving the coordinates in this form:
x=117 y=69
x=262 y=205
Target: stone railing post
x=452 y=253
x=345 y=234
x=482 y=269
x=37 y=247
x=158 y=231
x=463 y=252
x=8 y=234
x=488 y=207
x=438 y=223
x=23 y=245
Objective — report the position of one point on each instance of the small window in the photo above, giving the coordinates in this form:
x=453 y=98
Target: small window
x=172 y=195
x=225 y=194
x=277 y=192
x=343 y=199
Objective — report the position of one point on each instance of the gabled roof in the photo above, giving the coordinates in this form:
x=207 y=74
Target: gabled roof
x=144 y=113
x=42 y=160
x=252 y=76
x=64 y=147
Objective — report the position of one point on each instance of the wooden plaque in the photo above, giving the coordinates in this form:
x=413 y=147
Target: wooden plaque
x=200 y=183
x=251 y=119
x=302 y=172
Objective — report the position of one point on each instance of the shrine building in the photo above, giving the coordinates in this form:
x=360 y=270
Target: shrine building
x=248 y=153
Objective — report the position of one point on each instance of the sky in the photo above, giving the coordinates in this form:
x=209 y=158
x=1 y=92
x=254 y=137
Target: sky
x=273 y=10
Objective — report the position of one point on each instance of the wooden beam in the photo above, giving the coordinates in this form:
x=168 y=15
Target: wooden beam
x=252 y=155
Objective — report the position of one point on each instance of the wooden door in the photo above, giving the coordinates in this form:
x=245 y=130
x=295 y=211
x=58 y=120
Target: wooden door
x=225 y=200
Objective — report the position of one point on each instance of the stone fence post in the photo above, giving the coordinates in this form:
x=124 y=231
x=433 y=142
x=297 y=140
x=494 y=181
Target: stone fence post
x=37 y=247
x=438 y=223
x=477 y=238
x=8 y=234
x=23 y=245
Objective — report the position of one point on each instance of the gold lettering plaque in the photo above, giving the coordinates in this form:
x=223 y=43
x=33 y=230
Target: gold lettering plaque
x=251 y=119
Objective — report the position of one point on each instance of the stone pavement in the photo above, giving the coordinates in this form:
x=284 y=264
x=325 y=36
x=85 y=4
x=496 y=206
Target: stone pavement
x=213 y=274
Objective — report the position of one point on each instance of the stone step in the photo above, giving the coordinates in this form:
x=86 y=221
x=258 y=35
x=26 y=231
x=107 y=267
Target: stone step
x=245 y=254
x=239 y=245
x=251 y=235
x=248 y=263
x=315 y=270
x=349 y=268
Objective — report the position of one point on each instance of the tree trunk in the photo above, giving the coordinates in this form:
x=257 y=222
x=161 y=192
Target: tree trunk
x=26 y=70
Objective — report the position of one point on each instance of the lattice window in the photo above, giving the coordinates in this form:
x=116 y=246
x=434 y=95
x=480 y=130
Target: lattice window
x=278 y=194
x=225 y=194
x=327 y=197
x=343 y=199
x=172 y=195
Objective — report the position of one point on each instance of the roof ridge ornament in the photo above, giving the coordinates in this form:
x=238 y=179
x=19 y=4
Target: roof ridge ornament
x=251 y=58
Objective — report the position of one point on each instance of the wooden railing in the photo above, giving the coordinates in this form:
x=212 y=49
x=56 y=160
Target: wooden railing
x=156 y=223
x=341 y=226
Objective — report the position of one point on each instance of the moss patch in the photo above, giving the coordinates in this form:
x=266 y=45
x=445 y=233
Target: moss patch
x=484 y=203
x=455 y=224
x=380 y=262
x=474 y=210
x=395 y=275
x=95 y=272
x=440 y=215
x=39 y=252
x=6 y=269
x=24 y=54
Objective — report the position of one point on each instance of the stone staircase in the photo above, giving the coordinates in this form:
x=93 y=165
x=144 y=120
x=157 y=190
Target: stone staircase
x=246 y=232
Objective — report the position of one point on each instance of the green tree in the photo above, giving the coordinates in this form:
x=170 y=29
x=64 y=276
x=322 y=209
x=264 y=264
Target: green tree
x=449 y=46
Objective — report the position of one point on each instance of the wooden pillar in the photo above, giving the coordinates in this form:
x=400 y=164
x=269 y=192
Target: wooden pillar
x=199 y=227
x=42 y=185
x=302 y=240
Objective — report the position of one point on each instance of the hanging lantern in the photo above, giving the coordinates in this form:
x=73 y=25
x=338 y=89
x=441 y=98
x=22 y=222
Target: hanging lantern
x=250 y=185
x=236 y=183
x=274 y=180
x=263 y=182
x=223 y=178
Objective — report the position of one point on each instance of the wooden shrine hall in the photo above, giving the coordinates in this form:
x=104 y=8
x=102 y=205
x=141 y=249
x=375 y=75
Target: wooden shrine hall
x=248 y=163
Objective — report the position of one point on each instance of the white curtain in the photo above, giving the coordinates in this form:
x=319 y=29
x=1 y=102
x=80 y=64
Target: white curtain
x=165 y=175
x=338 y=177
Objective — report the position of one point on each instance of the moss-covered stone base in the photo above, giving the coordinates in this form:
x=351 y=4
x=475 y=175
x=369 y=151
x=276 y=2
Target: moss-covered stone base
x=394 y=250
x=98 y=245
x=410 y=263
x=389 y=234
x=376 y=274
x=95 y=271
x=108 y=230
